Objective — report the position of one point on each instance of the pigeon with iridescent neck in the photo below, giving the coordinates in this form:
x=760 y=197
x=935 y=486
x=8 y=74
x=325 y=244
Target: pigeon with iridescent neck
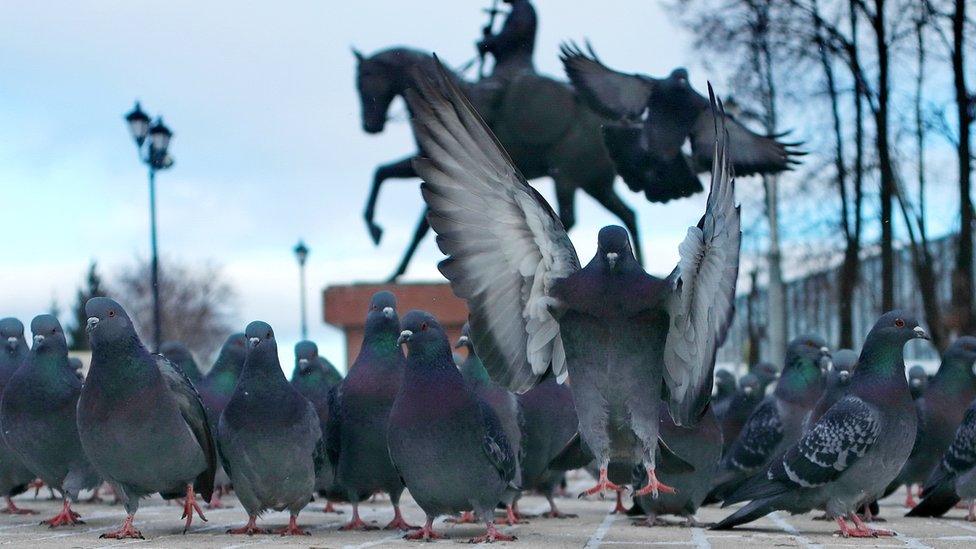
x=14 y=475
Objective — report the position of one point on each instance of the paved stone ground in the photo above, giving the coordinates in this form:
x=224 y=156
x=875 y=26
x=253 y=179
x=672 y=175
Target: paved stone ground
x=593 y=528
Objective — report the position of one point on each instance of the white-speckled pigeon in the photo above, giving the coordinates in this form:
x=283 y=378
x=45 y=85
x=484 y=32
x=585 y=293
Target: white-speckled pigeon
x=955 y=477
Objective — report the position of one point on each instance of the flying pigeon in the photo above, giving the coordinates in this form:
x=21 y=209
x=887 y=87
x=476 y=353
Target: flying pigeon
x=178 y=354
x=838 y=378
x=14 y=475
x=506 y=407
x=38 y=417
x=854 y=450
x=918 y=381
x=702 y=444
x=216 y=388
x=141 y=422
x=454 y=456
x=724 y=392
x=358 y=419
x=747 y=397
x=778 y=422
x=655 y=117
x=312 y=381
x=270 y=441
x=955 y=477
x=309 y=352
x=942 y=407
x=617 y=331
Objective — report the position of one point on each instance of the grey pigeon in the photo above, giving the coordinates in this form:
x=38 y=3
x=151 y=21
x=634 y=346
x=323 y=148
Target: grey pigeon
x=747 y=396
x=178 y=354
x=942 y=407
x=313 y=382
x=838 y=378
x=918 y=381
x=216 y=389
x=141 y=422
x=507 y=409
x=725 y=386
x=14 y=475
x=77 y=366
x=857 y=447
x=767 y=373
x=38 y=417
x=618 y=332
x=356 y=431
x=778 y=422
x=955 y=477
x=656 y=116
x=702 y=444
x=270 y=441
x=454 y=456
x=309 y=351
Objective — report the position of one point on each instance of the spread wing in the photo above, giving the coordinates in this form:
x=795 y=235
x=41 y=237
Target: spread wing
x=750 y=152
x=505 y=246
x=608 y=92
x=195 y=415
x=841 y=437
x=702 y=299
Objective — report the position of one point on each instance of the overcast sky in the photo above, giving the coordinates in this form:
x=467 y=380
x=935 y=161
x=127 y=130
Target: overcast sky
x=267 y=142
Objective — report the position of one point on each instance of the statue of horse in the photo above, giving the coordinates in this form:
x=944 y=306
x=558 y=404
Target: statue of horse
x=540 y=121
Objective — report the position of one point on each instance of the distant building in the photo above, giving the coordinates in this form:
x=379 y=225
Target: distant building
x=812 y=303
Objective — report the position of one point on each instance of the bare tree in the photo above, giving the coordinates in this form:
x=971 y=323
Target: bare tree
x=76 y=328
x=197 y=304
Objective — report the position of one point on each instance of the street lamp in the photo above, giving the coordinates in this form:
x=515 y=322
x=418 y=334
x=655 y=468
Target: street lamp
x=301 y=253
x=153 y=152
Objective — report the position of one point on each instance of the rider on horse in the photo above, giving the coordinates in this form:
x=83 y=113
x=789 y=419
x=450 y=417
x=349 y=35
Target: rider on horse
x=511 y=49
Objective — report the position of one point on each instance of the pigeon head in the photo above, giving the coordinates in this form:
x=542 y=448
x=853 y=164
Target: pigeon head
x=423 y=335
x=107 y=321
x=48 y=335
x=465 y=339
x=260 y=338
x=724 y=382
x=679 y=76
x=805 y=370
x=961 y=354
x=12 y=332
x=382 y=312
x=749 y=385
x=842 y=365
x=306 y=356
x=808 y=351
x=918 y=380
x=766 y=373
x=613 y=248
x=231 y=356
x=898 y=326
x=175 y=352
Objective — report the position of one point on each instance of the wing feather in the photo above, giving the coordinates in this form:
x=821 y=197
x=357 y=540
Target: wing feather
x=505 y=246
x=611 y=93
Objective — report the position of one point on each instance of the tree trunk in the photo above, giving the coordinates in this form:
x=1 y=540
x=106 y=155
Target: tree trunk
x=962 y=282
x=884 y=160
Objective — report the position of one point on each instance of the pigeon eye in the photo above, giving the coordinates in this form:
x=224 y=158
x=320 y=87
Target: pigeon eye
x=899 y=323
x=423 y=327
x=111 y=313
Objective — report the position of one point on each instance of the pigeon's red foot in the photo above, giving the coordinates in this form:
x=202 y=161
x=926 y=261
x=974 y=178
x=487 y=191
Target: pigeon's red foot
x=248 y=529
x=12 y=509
x=217 y=503
x=466 y=517
x=425 y=533
x=292 y=529
x=910 y=499
x=36 y=484
x=654 y=486
x=619 y=508
x=874 y=532
x=356 y=523
x=330 y=508
x=512 y=517
x=602 y=485
x=127 y=531
x=492 y=535
x=398 y=522
x=66 y=517
x=189 y=506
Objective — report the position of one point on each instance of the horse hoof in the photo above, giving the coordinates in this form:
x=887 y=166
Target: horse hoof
x=376 y=233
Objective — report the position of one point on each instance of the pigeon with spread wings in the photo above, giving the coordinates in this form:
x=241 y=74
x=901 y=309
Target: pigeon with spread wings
x=655 y=117
x=616 y=330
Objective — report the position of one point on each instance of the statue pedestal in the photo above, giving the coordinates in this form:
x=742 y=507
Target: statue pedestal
x=345 y=307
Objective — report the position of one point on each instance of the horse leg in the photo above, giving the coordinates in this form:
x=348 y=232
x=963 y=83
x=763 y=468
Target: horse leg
x=615 y=205
x=418 y=235
x=400 y=169
x=566 y=199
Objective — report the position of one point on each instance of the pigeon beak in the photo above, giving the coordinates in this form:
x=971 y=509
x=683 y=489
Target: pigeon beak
x=304 y=365
x=92 y=322
x=389 y=313
x=844 y=376
x=915 y=383
x=461 y=342
x=404 y=337
x=612 y=259
x=920 y=333
x=38 y=339
x=747 y=390
x=254 y=341
x=12 y=343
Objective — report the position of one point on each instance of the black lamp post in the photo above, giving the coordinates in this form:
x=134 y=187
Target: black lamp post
x=153 y=153
x=301 y=253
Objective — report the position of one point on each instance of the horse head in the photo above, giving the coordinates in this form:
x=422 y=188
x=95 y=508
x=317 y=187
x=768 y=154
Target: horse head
x=380 y=78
